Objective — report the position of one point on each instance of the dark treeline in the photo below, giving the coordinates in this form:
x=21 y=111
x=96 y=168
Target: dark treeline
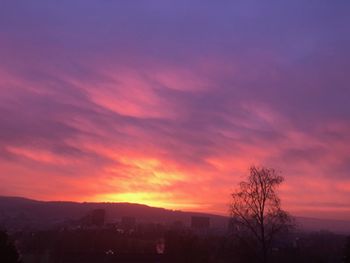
x=257 y=231
x=159 y=243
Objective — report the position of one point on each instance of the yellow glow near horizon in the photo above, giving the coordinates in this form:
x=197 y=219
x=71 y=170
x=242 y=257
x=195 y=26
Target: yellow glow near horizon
x=147 y=198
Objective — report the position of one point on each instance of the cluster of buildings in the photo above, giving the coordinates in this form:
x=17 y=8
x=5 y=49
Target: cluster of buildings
x=97 y=218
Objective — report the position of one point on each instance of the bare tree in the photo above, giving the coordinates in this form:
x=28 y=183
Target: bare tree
x=256 y=209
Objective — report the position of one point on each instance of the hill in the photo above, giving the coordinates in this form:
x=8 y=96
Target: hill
x=18 y=212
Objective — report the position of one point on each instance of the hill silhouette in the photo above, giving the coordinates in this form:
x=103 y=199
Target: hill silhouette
x=16 y=212
x=19 y=212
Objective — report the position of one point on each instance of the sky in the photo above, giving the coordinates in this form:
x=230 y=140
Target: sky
x=168 y=103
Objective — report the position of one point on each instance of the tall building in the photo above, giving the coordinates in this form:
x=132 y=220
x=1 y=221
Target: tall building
x=96 y=217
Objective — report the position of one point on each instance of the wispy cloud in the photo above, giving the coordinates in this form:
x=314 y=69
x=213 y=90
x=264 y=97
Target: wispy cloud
x=169 y=105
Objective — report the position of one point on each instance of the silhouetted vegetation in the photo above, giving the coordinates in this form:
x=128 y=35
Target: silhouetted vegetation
x=110 y=244
x=96 y=237
x=257 y=217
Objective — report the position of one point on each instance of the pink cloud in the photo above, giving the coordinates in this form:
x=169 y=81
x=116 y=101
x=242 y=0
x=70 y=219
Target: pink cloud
x=114 y=105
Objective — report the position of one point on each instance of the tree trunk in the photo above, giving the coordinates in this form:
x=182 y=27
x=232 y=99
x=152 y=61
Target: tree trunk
x=264 y=252
x=263 y=243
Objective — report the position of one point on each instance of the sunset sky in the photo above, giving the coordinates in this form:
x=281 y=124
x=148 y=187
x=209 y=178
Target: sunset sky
x=168 y=103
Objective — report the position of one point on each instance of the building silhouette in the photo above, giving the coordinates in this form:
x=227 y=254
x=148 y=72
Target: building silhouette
x=96 y=217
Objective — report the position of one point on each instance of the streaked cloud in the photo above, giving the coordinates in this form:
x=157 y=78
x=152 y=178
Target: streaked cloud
x=169 y=104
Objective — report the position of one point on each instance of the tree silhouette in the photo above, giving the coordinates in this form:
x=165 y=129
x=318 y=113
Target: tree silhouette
x=256 y=210
x=8 y=251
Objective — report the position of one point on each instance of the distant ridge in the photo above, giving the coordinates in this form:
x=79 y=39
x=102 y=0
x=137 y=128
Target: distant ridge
x=19 y=212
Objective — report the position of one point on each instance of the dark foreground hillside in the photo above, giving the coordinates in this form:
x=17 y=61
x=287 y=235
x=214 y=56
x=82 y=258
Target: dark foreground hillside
x=170 y=244
x=17 y=212
x=69 y=232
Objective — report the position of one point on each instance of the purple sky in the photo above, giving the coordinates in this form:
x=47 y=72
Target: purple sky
x=169 y=103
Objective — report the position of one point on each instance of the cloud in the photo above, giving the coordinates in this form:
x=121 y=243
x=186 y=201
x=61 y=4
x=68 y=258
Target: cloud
x=170 y=104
